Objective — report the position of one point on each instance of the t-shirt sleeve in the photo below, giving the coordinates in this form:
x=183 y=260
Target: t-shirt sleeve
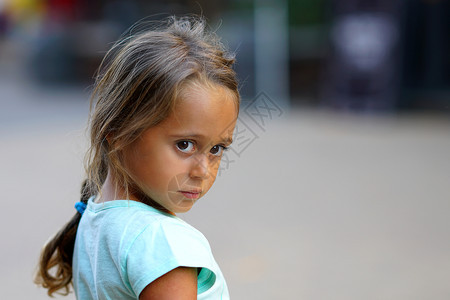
x=164 y=246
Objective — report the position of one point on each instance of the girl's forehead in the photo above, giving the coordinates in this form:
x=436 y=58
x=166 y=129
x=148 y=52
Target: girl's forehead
x=205 y=98
x=201 y=108
x=195 y=88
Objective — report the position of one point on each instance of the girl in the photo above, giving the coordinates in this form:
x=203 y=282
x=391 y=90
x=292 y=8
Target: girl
x=165 y=107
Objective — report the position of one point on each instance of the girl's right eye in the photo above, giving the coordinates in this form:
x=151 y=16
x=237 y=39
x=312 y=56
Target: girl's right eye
x=185 y=146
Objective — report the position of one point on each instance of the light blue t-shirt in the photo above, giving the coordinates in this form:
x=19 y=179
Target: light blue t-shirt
x=122 y=245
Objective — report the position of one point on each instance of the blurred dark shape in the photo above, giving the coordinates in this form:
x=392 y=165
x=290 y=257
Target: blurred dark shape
x=73 y=53
x=426 y=55
x=388 y=56
x=74 y=37
x=271 y=50
x=307 y=48
x=237 y=30
x=363 y=66
x=4 y=23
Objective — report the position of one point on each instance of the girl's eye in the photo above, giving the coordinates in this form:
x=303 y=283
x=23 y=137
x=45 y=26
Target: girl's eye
x=185 y=146
x=217 y=150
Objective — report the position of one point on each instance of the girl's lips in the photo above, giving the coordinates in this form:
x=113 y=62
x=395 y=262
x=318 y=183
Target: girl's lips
x=190 y=195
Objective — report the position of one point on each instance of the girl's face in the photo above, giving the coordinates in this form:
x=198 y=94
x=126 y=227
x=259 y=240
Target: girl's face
x=176 y=162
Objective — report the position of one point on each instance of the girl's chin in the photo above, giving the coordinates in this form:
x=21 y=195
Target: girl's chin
x=181 y=205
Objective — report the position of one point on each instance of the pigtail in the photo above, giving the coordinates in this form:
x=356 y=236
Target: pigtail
x=55 y=263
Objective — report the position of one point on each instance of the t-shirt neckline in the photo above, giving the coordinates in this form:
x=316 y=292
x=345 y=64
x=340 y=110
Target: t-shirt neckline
x=97 y=207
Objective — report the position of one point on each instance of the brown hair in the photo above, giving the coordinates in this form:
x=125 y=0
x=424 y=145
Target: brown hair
x=139 y=80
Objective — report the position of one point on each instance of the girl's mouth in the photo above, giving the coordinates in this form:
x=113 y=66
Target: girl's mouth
x=191 y=194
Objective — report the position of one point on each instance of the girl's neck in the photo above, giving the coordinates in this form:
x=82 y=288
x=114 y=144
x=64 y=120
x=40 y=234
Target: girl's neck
x=112 y=191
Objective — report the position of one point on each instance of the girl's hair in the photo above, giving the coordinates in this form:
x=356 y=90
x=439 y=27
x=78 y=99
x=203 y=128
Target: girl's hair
x=138 y=83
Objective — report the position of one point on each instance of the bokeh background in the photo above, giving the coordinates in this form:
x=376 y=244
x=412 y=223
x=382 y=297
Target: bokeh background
x=338 y=184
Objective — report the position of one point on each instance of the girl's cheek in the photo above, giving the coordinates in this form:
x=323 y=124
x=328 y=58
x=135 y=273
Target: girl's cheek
x=215 y=163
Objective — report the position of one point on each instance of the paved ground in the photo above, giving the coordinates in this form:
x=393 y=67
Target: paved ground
x=320 y=206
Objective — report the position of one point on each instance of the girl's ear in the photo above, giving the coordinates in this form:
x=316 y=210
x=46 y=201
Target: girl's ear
x=114 y=143
x=111 y=141
x=109 y=138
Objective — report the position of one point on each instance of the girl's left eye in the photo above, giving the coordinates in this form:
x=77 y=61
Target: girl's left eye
x=185 y=146
x=217 y=150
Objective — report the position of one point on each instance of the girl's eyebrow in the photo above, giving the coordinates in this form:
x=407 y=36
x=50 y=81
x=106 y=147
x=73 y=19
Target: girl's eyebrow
x=226 y=139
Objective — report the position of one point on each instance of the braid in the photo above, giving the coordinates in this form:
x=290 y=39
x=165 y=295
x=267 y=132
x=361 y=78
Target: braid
x=55 y=263
x=85 y=191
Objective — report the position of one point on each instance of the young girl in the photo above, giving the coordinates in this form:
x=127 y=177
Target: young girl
x=165 y=107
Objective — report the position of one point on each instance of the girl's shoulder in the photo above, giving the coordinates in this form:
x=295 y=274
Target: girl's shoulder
x=132 y=221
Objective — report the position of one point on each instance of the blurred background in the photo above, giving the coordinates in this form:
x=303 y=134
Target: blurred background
x=339 y=186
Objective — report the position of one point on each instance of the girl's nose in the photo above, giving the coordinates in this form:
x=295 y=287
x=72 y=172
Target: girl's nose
x=200 y=166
